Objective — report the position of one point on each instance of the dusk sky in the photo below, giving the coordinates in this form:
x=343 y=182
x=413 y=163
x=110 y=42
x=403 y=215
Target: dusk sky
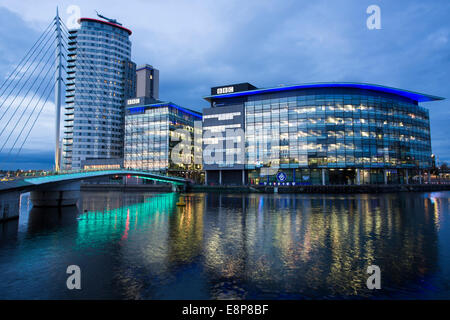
x=200 y=44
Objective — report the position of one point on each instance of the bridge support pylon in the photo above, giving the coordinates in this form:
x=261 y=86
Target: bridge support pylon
x=9 y=205
x=178 y=188
x=58 y=196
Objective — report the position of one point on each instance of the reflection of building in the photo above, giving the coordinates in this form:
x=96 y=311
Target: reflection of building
x=186 y=231
x=100 y=76
x=316 y=246
x=151 y=135
x=323 y=133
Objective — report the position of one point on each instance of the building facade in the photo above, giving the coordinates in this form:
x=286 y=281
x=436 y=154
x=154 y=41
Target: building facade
x=147 y=82
x=153 y=132
x=324 y=133
x=100 y=77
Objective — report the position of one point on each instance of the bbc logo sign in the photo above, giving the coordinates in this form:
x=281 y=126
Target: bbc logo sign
x=225 y=90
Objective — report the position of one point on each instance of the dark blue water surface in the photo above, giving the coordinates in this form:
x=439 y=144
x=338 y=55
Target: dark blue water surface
x=230 y=246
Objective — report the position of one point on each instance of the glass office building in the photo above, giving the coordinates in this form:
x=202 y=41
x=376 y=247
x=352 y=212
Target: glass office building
x=100 y=77
x=152 y=134
x=325 y=133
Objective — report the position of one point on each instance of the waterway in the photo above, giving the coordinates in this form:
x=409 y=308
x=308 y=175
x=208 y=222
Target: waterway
x=230 y=246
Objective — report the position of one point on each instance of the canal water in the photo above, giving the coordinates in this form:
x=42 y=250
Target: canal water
x=230 y=246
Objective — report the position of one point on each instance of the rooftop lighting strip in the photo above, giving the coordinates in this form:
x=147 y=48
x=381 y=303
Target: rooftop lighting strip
x=143 y=107
x=404 y=93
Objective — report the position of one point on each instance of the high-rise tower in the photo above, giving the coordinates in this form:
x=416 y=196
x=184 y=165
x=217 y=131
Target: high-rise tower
x=100 y=77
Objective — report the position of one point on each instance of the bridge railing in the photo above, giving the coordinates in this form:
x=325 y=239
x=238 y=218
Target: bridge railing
x=28 y=174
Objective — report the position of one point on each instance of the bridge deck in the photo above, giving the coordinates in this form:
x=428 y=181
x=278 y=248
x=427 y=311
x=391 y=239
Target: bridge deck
x=25 y=183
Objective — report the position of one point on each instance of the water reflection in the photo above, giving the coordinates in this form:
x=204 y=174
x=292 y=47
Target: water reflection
x=306 y=246
x=234 y=246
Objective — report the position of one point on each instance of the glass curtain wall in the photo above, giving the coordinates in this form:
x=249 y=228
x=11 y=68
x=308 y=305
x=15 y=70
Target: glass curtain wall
x=335 y=130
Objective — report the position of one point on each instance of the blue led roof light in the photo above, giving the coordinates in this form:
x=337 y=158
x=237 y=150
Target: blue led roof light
x=142 y=108
x=415 y=96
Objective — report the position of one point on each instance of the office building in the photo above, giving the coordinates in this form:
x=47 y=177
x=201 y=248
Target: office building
x=321 y=133
x=151 y=136
x=147 y=82
x=100 y=77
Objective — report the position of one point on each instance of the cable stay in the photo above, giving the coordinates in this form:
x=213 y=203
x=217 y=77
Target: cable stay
x=32 y=126
x=24 y=72
x=26 y=81
x=33 y=79
x=25 y=96
x=26 y=108
x=32 y=49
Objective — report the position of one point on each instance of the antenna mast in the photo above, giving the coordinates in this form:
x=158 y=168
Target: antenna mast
x=58 y=85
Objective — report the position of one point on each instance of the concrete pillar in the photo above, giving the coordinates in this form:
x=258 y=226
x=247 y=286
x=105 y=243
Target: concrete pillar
x=220 y=177
x=406 y=176
x=323 y=177
x=385 y=176
x=9 y=205
x=429 y=176
x=206 y=178
x=243 y=177
x=58 y=196
x=358 y=176
x=420 y=176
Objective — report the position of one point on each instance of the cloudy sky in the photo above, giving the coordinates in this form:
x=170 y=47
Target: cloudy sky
x=198 y=44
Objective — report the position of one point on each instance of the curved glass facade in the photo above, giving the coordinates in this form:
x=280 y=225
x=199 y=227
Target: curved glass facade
x=100 y=76
x=340 y=129
x=332 y=135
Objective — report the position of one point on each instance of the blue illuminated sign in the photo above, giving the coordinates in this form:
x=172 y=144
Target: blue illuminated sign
x=281 y=176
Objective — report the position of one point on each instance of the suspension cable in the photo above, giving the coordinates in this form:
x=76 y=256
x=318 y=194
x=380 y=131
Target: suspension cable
x=32 y=126
x=26 y=108
x=26 y=81
x=24 y=97
x=33 y=48
x=23 y=73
